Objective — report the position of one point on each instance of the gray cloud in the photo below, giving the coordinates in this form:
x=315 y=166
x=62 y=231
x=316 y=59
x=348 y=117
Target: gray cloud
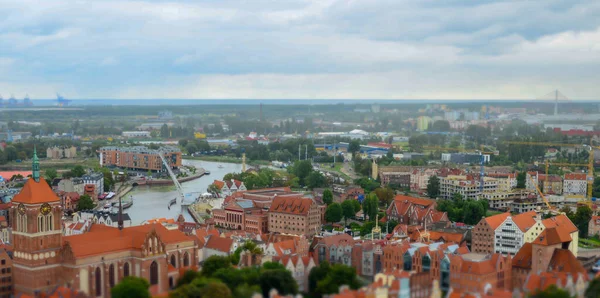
x=299 y=48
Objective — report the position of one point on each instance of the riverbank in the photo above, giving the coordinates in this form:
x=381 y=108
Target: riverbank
x=228 y=159
x=199 y=173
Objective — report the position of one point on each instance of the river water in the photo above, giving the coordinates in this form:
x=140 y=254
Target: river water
x=151 y=202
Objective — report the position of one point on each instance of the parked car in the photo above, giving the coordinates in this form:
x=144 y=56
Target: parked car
x=596 y=267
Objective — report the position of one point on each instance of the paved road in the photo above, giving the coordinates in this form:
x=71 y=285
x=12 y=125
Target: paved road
x=347 y=169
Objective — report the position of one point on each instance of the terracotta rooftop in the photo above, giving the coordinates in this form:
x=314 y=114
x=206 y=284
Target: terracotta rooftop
x=523 y=258
x=416 y=201
x=560 y=221
x=563 y=260
x=552 y=236
x=219 y=243
x=576 y=176
x=103 y=239
x=525 y=220
x=219 y=184
x=291 y=205
x=495 y=221
x=36 y=192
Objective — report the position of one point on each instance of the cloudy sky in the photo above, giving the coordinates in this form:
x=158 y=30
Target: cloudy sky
x=277 y=49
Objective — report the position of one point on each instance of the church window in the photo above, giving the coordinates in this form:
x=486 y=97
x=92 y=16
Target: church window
x=173 y=261
x=41 y=223
x=126 y=270
x=186 y=259
x=98 y=285
x=154 y=273
x=111 y=275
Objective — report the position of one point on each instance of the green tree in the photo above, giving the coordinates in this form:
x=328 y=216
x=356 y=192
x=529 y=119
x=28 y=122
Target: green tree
x=552 y=292
x=78 y=171
x=356 y=205
x=371 y=206
x=385 y=195
x=433 y=187
x=521 y=177
x=582 y=219
x=315 y=179
x=164 y=131
x=327 y=279
x=131 y=287
x=214 y=263
x=191 y=148
x=327 y=196
x=187 y=277
x=279 y=279
x=85 y=203
x=215 y=289
x=354 y=146
x=348 y=210
x=593 y=289
x=50 y=174
x=333 y=213
x=301 y=169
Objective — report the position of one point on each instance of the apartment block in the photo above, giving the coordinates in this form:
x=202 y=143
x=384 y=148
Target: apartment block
x=140 y=157
x=465 y=185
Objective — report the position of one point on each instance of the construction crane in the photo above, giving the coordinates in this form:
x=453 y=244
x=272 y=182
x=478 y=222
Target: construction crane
x=590 y=164
x=550 y=207
x=482 y=153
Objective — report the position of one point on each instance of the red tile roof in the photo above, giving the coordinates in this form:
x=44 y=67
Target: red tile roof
x=291 y=205
x=102 y=239
x=219 y=184
x=219 y=243
x=560 y=221
x=525 y=220
x=576 y=176
x=523 y=258
x=495 y=221
x=36 y=192
x=552 y=236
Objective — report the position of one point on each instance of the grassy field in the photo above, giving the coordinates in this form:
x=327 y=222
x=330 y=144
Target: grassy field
x=492 y=212
x=228 y=160
x=57 y=164
x=589 y=243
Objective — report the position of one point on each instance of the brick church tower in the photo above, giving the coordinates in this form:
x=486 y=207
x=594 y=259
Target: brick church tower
x=37 y=235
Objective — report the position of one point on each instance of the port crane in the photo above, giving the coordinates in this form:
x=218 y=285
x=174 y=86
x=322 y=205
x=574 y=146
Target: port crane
x=589 y=165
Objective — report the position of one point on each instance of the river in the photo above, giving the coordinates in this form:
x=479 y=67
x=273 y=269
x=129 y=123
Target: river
x=151 y=202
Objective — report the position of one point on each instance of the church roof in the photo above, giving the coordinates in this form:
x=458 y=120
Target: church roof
x=103 y=239
x=36 y=192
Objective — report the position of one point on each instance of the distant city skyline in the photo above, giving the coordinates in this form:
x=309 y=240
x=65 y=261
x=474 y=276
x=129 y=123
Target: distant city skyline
x=299 y=49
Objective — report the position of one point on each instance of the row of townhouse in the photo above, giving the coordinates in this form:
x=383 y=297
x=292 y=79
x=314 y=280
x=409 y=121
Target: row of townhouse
x=506 y=234
x=427 y=270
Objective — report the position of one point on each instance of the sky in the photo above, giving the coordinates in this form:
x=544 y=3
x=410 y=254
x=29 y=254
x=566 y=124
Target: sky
x=300 y=49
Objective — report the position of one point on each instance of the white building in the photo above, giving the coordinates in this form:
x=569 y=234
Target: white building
x=575 y=184
x=465 y=185
x=103 y=218
x=509 y=236
x=136 y=134
x=96 y=179
x=529 y=184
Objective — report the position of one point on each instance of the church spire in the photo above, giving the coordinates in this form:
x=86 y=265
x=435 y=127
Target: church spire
x=35 y=166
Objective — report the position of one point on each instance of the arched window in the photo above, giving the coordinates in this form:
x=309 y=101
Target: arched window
x=49 y=223
x=154 y=273
x=426 y=262
x=126 y=270
x=41 y=223
x=186 y=259
x=111 y=275
x=173 y=261
x=445 y=275
x=98 y=277
x=407 y=262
